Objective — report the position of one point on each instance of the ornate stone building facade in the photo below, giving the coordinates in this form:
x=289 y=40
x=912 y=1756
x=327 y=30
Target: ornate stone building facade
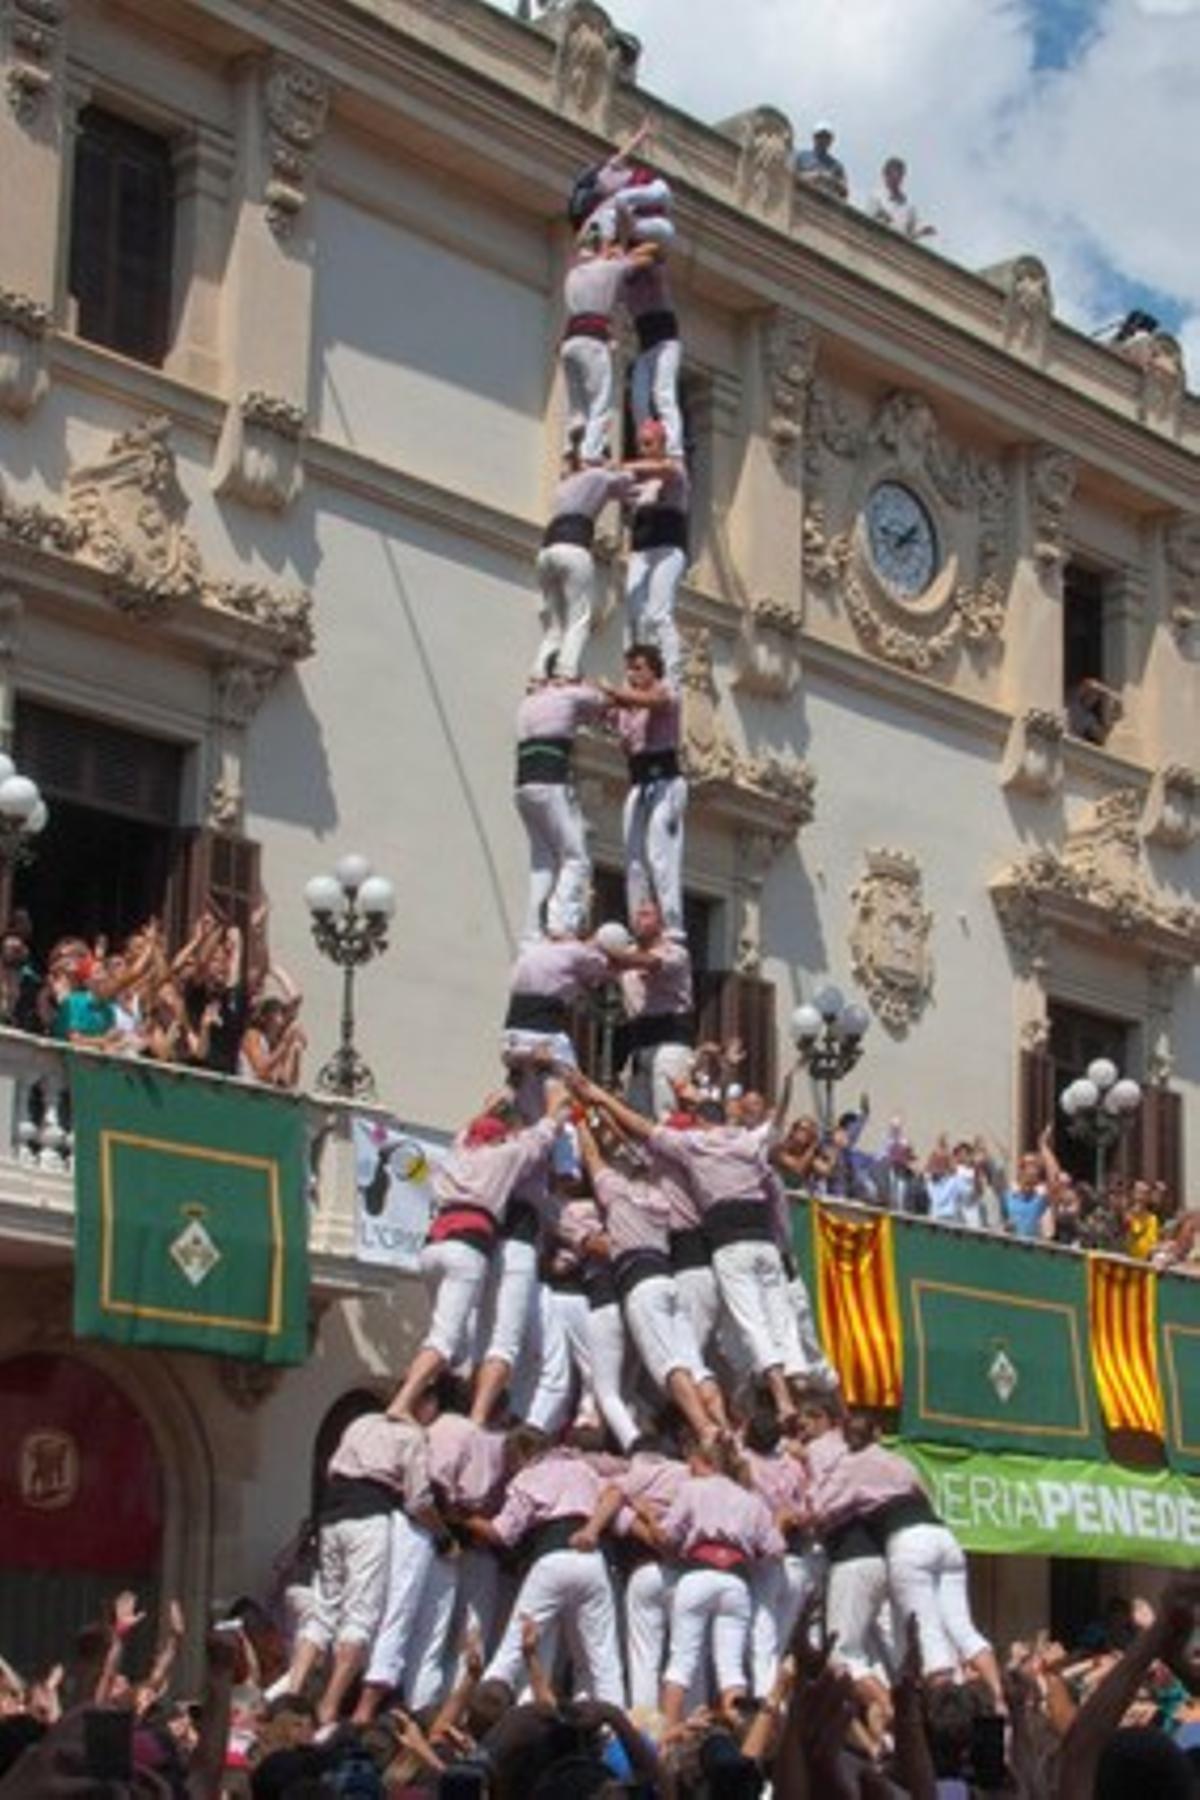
x=292 y=546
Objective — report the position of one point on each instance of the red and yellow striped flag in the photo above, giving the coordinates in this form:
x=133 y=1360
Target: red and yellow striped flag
x=859 y=1315
x=1122 y=1314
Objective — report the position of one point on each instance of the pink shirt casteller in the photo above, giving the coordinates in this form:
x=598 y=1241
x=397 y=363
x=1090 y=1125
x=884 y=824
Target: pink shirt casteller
x=393 y=1452
x=712 y=1509
x=559 y=969
x=558 y=709
x=636 y=1213
x=466 y=1463
x=484 y=1175
x=558 y=1485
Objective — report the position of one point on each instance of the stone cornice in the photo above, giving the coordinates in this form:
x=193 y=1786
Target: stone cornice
x=866 y=285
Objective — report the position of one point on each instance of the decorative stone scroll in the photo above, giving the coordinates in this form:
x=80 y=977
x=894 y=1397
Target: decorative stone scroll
x=1033 y=762
x=260 y=458
x=1097 y=884
x=125 y=516
x=1164 y=383
x=970 y=495
x=774 y=783
x=1051 y=475
x=1171 y=816
x=765 y=181
x=295 y=103
x=33 y=38
x=789 y=354
x=1028 y=304
x=23 y=377
x=889 y=939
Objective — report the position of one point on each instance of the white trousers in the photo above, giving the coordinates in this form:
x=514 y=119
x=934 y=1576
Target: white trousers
x=707 y=1599
x=631 y=200
x=570 y=1589
x=856 y=1609
x=653 y=1072
x=653 y=832
x=588 y=372
x=353 y=1584
x=560 y=869
x=753 y=1285
x=454 y=1274
x=575 y=1337
x=927 y=1575
x=651 y=585
x=819 y=1369
x=480 y=1598
x=654 y=390
x=410 y=1646
x=661 y=1331
x=510 y=1301
x=567 y=575
x=779 y=1587
x=647 y=1608
x=700 y=1299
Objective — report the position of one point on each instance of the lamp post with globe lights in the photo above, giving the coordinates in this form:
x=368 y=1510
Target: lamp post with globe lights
x=1099 y=1108
x=350 y=912
x=828 y=1033
x=23 y=813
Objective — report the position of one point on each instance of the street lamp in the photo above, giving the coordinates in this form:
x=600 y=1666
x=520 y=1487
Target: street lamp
x=1099 y=1107
x=23 y=813
x=828 y=1032
x=350 y=912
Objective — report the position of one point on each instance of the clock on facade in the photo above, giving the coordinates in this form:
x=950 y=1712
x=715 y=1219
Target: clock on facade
x=901 y=539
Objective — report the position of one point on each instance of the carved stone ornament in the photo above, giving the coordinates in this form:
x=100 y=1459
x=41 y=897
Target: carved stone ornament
x=966 y=601
x=889 y=939
x=33 y=36
x=1181 y=552
x=765 y=181
x=223 y=807
x=125 y=517
x=767 y=656
x=240 y=688
x=247 y=1384
x=1172 y=812
x=789 y=354
x=1051 y=475
x=260 y=457
x=1028 y=304
x=587 y=63
x=781 y=781
x=1098 y=885
x=1164 y=383
x=1033 y=762
x=23 y=377
x=295 y=110
x=1035 y=1034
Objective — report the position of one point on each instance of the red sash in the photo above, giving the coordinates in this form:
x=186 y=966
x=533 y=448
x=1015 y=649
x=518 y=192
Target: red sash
x=710 y=1553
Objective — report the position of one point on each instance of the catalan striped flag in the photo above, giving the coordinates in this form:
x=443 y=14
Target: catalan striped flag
x=859 y=1314
x=1122 y=1314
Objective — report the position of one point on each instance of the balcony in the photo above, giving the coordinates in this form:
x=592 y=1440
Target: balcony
x=37 y=1195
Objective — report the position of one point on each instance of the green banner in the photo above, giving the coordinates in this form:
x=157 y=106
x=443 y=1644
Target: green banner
x=1179 y=1367
x=996 y=1350
x=190 y=1213
x=1051 y=1506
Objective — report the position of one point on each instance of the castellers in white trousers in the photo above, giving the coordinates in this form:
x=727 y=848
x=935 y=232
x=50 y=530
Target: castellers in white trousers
x=567 y=575
x=560 y=870
x=588 y=372
x=653 y=832
x=704 y=1601
x=410 y=1646
x=574 y=1336
x=570 y=1589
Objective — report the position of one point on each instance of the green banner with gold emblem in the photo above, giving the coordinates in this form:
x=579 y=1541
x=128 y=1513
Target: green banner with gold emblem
x=191 y=1212
x=996 y=1351
x=1179 y=1367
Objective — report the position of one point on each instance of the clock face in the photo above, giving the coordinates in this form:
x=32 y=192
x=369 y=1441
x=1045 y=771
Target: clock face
x=901 y=539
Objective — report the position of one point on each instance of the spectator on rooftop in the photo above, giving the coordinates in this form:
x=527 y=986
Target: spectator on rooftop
x=890 y=204
x=819 y=168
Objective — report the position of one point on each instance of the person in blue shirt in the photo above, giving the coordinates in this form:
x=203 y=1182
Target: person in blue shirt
x=1029 y=1205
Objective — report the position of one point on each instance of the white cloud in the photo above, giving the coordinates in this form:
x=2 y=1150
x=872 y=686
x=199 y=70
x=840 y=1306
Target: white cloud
x=1095 y=166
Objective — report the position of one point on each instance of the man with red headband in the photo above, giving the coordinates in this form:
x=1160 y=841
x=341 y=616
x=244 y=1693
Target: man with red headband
x=472 y=1190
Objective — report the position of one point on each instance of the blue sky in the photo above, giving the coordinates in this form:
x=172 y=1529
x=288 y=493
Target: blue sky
x=1066 y=128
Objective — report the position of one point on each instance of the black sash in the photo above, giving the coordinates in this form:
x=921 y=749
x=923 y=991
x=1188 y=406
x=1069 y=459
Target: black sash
x=570 y=528
x=690 y=1249
x=656 y=328
x=738 y=1222
x=556 y=1534
x=653 y=765
x=635 y=1266
x=651 y=1029
x=658 y=528
x=546 y=760
x=898 y=1515
x=536 y=1012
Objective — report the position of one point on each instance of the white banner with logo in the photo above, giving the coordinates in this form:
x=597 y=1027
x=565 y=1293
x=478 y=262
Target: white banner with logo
x=394 y=1202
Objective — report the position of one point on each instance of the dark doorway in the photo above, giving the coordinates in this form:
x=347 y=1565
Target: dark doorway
x=1077 y=1038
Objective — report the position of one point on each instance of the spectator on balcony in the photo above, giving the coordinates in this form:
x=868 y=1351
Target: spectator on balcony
x=890 y=204
x=84 y=1014
x=1092 y=710
x=273 y=1042
x=899 y=1183
x=214 y=991
x=819 y=168
x=1142 y=1226
x=850 y=1173
x=1027 y=1206
x=20 y=982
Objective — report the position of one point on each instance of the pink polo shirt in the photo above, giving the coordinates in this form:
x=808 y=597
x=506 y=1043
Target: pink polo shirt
x=643 y=729
x=485 y=1175
x=393 y=1452
x=714 y=1509
x=559 y=969
x=780 y=1480
x=558 y=709
x=666 y=988
x=721 y=1164
x=559 y=1485
x=637 y=1214
x=860 y=1483
x=466 y=1463
x=673 y=1184
x=654 y=1482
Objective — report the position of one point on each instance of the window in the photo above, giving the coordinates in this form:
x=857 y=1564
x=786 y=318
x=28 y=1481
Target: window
x=1078 y=1038
x=1092 y=704
x=122 y=235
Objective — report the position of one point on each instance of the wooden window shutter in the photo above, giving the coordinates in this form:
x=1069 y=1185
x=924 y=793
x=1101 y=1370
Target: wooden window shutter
x=1036 y=1097
x=212 y=865
x=1156 y=1141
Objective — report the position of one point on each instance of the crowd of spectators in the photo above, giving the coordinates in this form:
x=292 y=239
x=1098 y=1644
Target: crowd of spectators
x=1115 y=1714
x=218 y=1003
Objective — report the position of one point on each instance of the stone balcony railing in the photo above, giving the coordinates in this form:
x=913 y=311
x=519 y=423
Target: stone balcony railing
x=37 y=1191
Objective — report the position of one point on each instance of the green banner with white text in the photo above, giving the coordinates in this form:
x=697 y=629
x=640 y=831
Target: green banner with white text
x=191 y=1215
x=1053 y=1506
